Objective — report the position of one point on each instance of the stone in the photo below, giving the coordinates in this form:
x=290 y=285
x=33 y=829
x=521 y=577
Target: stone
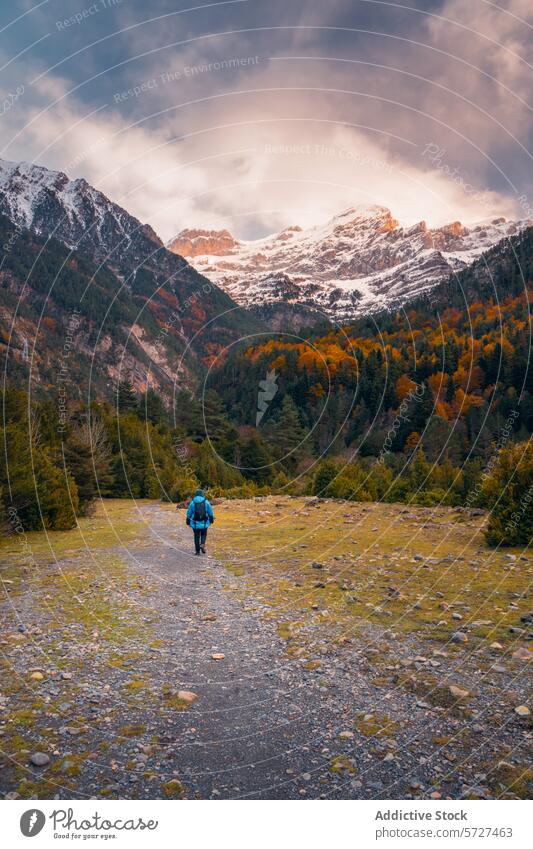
x=187 y=696
x=218 y=656
x=459 y=637
x=522 y=710
x=39 y=759
x=346 y=735
x=523 y=653
x=37 y=676
x=458 y=692
x=496 y=646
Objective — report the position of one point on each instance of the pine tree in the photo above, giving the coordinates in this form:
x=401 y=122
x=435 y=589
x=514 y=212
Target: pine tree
x=87 y=455
x=152 y=408
x=450 y=390
x=326 y=472
x=419 y=470
x=126 y=397
x=256 y=461
x=288 y=434
x=215 y=416
x=508 y=493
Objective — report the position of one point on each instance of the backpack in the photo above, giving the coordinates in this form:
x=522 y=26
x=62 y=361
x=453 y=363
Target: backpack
x=199 y=511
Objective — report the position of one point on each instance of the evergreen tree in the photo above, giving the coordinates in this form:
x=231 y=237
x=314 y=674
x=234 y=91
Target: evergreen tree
x=152 y=408
x=126 y=397
x=326 y=471
x=288 y=435
x=256 y=461
x=87 y=455
x=450 y=390
x=508 y=493
x=216 y=423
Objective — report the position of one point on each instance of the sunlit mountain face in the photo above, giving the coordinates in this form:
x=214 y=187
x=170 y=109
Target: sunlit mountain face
x=358 y=262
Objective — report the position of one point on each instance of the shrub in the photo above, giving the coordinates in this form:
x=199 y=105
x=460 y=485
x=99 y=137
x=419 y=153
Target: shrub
x=183 y=488
x=508 y=493
x=326 y=471
x=353 y=484
x=430 y=497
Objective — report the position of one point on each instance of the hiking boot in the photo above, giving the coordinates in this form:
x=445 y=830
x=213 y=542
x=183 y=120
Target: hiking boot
x=203 y=549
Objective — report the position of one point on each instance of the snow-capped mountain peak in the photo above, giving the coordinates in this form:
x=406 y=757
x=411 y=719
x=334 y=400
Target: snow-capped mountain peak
x=361 y=260
x=73 y=211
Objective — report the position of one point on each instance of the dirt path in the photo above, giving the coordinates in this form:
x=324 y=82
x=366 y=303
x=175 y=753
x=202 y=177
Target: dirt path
x=111 y=718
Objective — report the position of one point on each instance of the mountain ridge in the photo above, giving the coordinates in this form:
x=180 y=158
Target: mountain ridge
x=358 y=262
x=164 y=317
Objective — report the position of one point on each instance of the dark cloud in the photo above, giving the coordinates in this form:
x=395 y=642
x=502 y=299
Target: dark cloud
x=185 y=103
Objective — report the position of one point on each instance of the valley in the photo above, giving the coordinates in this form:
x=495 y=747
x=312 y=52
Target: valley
x=311 y=655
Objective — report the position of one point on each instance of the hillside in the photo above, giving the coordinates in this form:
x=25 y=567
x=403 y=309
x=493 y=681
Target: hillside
x=456 y=364
x=77 y=265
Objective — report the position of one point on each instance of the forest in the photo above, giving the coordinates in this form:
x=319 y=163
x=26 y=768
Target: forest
x=426 y=405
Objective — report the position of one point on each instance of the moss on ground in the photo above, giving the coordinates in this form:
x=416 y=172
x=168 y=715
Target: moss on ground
x=419 y=570
x=114 y=522
x=341 y=764
x=375 y=725
x=88 y=596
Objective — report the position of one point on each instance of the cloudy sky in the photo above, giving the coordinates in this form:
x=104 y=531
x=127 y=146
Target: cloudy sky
x=252 y=115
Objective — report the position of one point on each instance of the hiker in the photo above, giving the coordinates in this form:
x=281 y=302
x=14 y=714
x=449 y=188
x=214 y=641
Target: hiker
x=199 y=517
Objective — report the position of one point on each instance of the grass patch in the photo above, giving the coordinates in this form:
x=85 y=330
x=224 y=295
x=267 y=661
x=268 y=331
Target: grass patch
x=341 y=764
x=375 y=725
x=407 y=567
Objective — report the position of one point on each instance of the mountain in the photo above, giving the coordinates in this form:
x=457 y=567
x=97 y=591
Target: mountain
x=359 y=262
x=72 y=211
x=145 y=310
x=452 y=373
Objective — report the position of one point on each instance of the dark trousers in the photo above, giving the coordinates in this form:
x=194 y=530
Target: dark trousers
x=200 y=535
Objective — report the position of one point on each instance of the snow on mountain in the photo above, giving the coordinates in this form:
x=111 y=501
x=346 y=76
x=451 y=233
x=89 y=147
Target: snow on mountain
x=176 y=314
x=358 y=262
x=76 y=213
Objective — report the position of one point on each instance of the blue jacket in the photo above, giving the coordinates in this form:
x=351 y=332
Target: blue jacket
x=208 y=513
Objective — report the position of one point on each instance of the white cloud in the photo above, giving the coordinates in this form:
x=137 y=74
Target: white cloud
x=280 y=154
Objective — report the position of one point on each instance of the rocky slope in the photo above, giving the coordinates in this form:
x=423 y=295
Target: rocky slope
x=161 y=316
x=359 y=262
